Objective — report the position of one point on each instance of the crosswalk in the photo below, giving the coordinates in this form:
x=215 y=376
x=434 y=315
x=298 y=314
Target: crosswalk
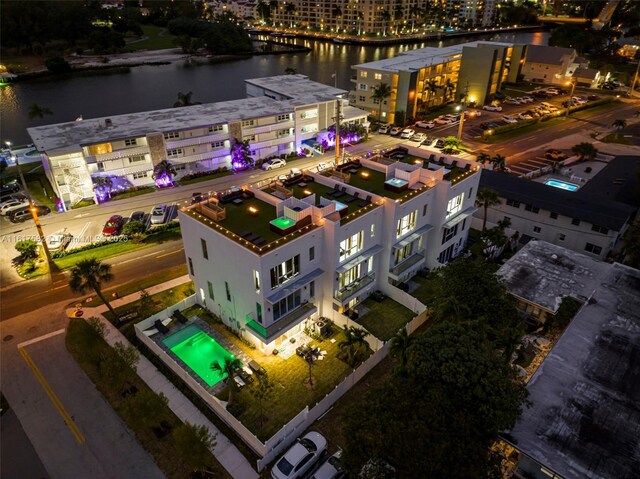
x=522 y=168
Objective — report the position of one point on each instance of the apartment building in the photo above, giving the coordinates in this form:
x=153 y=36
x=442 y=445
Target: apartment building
x=471 y=13
x=584 y=220
x=125 y=148
x=431 y=76
x=270 y=261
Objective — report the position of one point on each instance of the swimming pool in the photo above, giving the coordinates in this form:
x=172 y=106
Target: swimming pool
x=563 y=185
x=198 y=350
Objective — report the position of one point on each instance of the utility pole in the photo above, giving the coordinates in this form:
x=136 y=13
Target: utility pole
x=573 y=87
x=461 y=125
x=635 y=77
x=338 y=118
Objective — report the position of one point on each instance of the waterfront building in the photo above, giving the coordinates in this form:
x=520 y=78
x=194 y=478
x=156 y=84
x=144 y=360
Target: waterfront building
x=198 y=138
x=270 y=261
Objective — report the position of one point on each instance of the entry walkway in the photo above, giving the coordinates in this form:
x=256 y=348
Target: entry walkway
x=226 y=453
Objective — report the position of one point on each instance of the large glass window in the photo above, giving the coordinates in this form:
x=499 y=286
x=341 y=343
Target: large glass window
x=449 y=233
x=407 y=223
x=285 y=271
x=455 y=205
x=256 y=280
x=349 y=276
x=350 y=246
x=210 y=286
x=400 y=254
x=286 y=305
x=205 y=252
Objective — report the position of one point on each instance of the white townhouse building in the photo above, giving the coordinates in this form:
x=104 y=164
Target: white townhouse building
x=198 y=138
x=271 y=261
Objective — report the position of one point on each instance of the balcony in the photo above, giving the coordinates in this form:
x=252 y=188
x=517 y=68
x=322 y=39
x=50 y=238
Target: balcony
x=197 y=140
x=282 y=325
x=351 y=289
x=405 y=264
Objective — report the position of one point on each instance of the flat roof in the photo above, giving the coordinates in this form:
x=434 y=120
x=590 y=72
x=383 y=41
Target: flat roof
x=298 y=87
x=71 y=136
x=584 y=420
x=619 y=181
x=543 y=273
x=547 y=55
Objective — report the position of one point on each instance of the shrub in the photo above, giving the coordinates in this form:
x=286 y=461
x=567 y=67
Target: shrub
x=133 y=227
x=57 y=65
x=27 y=248
x=29 y=266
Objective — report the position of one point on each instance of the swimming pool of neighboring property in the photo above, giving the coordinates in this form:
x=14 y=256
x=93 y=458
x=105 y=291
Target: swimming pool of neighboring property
x=198 y=350
x=563 y=185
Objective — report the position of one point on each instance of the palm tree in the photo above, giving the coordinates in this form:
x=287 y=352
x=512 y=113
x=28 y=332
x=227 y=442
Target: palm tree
x=37 y=111
x=184 y=99
x=228 y=368
x=103 y=184
x=262 y=392
x=164 y=169
x=310 y=359
x=263 y=10
x=619 y=124
x=91 y=274
x=499 y=162
x=354 y=341
x=290 y=71
x=290 y=9
x=398 y=13
x=483 y=157
x=336 y=12
x=447 y=88
x=414 y=12
x=400 y=346
x=585 y=150
x=385 y=16
x=381 y=93
x=273 y=5
x=360 y=17
x=431 y=86
x=487 y=197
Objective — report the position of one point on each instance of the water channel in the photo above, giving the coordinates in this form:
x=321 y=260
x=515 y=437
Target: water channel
x=102 y=93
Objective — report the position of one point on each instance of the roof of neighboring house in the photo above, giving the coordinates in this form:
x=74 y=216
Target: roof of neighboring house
x=298 y=88
x=589 y=73
x=547 y=55
x=583 y=421
x=582 y=205
x=619 y=181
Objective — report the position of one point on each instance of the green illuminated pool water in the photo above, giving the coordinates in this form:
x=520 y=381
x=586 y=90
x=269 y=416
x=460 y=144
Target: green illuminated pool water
x=283 y=222
x=198 y=350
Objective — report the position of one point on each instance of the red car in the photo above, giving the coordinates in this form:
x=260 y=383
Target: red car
x=113 y=226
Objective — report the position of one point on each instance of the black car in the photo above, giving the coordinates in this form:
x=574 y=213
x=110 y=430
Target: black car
x=197 y=198
x=23 y=214
x=11 y=187
x=439 y=144
x=540 y=94
x=488 y=125
x=137 y=216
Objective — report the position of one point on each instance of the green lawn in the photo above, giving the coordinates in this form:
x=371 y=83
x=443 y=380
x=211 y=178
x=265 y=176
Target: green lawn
x=373 y=183
x=384 y=319
x=239 y=219
x=425 y=292
x=617 y=138
x=158 y=38
x=131 y=194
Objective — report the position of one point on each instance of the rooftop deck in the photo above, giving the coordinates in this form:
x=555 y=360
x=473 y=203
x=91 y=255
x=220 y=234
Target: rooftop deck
x=373 y=181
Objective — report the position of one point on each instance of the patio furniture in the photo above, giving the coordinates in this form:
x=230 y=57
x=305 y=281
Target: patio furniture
x=244 y=234
x=161 y=327
x=260 y=241
x=246 y=194
x=336 y=190
x=251 y=238
x=247 y=370
x=353 y=198
x=302 y=350
x=432 y=157
x=302 y=184
x=441 y=161
x=454 y=164
x=256 y=367
x=342 y=192
x=365 y=202
x=180 y=317
x=353 y=171
x=237 y=201
x=246 y=377
x=467 y=167
x=239 y=381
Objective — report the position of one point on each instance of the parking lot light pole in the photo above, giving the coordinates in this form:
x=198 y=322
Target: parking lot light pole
x=570 y=102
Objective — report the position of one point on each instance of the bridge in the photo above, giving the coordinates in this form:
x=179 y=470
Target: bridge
x=603 y=19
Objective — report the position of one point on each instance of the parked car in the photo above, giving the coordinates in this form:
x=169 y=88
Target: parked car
x=592 y=97
x=552 y=91
x=488 y=125
x=197 y=197
x=419 y=137
x=525 y=116
x=158 y=214
x=395 y=131
x=300 y=457
x=549 y=106
x=383 y=129
x=492 y=108
x=407 y=133
x=443 y=120
x=578 y=101
x=323 y=166
x=59 y=240
x=12 y=205
x=472 y=113
x=542 y=110
x=425 y=124
x=113 y=226
x=10 y=187
x=18 y=216
x=453 y=116
x=439 y=144
x=540 y=94
x=331 y=468
x=509 y=119
x=526 y=99
x=555 y=155
x=272 y=164
x=533 y=113
x=137 y=216
x=511 y=101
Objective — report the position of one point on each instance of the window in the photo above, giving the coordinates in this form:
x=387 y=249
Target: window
x=256 y=280
x=591 y=248
x=376 y=101
x=514 y=203
x=285 y=132
x=575 y=222
x=362 y=98
x=283 y=117
x=464 y=224
x=130 y=142
x=424 y=210
x=533 y=209
x=312 y=253
x=561 y=237
x=407 y=223
x=259 y=312
x=216 y=128
x=285 y=271
x=140 y=174
x=172 y=135
x=553 y=216
x=174 y=152
x=312 y=289
x=470 y=192
x=309 y=114
x=349 y=277
x=373 y=230
x=226 y=287
x=205 y=253
x=350 y=246
x=248 y=122
x=249 y=138
x=363 y=74
x=136 y=158
x=191 y=272
x=100 y=166
x=455 y=205
x=362 y=87
x=286 y=305
x=217 y=144
x=377 y=76
x=599 y=229
x=449 y=233
x=210 y=286
x=536 y=229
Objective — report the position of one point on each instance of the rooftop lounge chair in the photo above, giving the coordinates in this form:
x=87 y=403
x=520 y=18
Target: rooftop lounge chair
x=352 y=199
x=161 y=327
x=256 y=367
x=335 y=190
x=467 y=167
x=432 y=158
x=340 y=193
x=244 y=234
x=260 y=241
x=454 y=164
x=366 y=201
x=180 y=317
x=252 y=237
x=441 y=160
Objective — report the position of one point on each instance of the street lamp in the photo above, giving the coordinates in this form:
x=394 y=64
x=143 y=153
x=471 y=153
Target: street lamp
x=570 y=102
x=462 y=116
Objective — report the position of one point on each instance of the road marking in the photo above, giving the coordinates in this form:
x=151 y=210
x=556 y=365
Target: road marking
x=167 y=254
x=83 y=230
x=75 y=430
x=81 y=215
x=41 y=338
x=138 y=257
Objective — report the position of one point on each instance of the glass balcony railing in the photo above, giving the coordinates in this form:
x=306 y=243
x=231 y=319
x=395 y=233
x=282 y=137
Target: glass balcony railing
x=408 y=262
x=354 y=287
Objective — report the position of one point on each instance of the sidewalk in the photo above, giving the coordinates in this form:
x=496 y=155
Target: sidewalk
x=225 y=452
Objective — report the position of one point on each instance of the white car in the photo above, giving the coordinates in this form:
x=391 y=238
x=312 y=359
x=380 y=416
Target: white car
x=300 y=457
x=542 y=110
x=383 y=129
x=509 y=119
x=425 y=124
x=331 y=468
x=525 y=116
x=158 y=214
x=323 y=166
x=577 y=101
x=443 y=120
x=472 y=113
x=492 y=108
x=272 y=164
x=525 y=99
x=552 y=91
x=395 y=131
x=59 y=240
x=11 y=205
x=407 y=133
x=419 y=137
x=511 y=101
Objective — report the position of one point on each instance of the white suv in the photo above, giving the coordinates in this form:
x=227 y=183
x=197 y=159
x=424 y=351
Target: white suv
x=492 y=108
x=300 y=457
x=272 y=164
x=407 y=133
